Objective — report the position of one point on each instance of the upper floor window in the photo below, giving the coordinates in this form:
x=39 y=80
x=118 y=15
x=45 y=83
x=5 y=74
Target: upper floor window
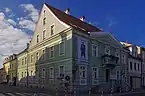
x=52 y=29
x=25 y=60
x=44 y=20
x=138 y=67
x=130 y=65
x=123 y=59
x=134 y=66
x=118 y=75
x=44 y=34
x=117 y=54
x=52 y=51
x=43 y=54
x=22 y=61
x=37 y=38
x=94 y=50
x=31 y=58
x=37 y=56
x=107 y=50
x=62 y=48
x=95 y=73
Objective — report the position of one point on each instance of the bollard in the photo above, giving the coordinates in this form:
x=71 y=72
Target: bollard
x=102 y=92
x=89 y=91
x=56 y=92
x=74 y=92
x=111 y=92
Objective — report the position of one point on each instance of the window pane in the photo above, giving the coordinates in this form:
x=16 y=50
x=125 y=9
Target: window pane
x=52 y=29
x=62 y=48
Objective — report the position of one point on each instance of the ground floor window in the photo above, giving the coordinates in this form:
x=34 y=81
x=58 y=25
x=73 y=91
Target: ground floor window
x=83 y=75
x=94 y=75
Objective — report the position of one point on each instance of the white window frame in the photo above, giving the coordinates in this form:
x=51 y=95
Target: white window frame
x=123 y=58
x=37 y=56
x=60 y=49
x=37 y=38
x=117 y=52
x=62 y=72
x=31 y=61
x=53 y=52
x=51 y=76
x=80 y=74
x=43 y=72
x=118 y=71
x=95 y=50
x=93 y=76
x=107 y=48
x=43 y=54
x=44 y=33
x=51 y=29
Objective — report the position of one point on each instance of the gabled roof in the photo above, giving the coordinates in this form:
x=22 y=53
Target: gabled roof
x=72 y=21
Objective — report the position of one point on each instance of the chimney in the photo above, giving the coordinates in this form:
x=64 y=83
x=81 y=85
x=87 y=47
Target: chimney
x=67 y=11
x=82 y=18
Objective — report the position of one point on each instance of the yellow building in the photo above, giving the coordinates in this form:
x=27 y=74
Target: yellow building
x=6 y=67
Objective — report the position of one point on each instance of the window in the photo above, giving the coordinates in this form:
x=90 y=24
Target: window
x=62 y=48
x=61 y=71
x=51 y=73
x=118 y=75
x=52 y=29
x=130 y=65
x=43 y=73
x=25 y=73
x=37 y=38
x=83 y=75
x=43 y=34
x=117 y=54
x=25 y=60
x=31 y=73
x=22 y=74
x=43 y=54
x=138 y=67
x=31 y=58
x=94 y=50
x=134 y=66
x=52 y=51
x=44 y=20
x=94 y=75
x=107 y=50
x=37 y=56
x=123 y=59
x=22 y=61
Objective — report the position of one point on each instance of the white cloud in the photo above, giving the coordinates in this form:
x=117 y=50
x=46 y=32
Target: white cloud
x=12 y=40
x=7 y=10
x=12 y=22
x=33 y=12
x=2 y=16
x=28 y=24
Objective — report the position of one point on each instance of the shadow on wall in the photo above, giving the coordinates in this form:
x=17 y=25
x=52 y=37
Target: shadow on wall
x=46 y=70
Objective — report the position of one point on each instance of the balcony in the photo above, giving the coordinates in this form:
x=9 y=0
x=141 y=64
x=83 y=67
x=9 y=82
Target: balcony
x=109 y=61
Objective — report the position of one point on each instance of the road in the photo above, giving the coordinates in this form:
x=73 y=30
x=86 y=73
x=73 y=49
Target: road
x=6 y=90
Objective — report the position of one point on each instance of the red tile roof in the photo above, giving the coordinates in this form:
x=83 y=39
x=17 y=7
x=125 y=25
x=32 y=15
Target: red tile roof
x=72 y=21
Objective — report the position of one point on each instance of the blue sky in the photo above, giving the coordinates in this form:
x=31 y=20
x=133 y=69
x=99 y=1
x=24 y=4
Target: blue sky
x=123 y=18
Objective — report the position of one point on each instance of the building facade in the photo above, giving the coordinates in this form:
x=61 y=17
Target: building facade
x=65 y=49
x=136 y=65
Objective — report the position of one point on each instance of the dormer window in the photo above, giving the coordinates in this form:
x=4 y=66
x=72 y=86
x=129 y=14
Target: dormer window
x=52 y=29
x=37 y=38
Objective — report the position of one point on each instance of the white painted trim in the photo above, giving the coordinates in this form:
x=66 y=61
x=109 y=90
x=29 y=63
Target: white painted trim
x=85 y=79
x=64 y=48
x=97 y=50
x=66 y=25
x=48 y=45
x=53 y=30
x=50 y=73
x=63 y=70
x=93 y=76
